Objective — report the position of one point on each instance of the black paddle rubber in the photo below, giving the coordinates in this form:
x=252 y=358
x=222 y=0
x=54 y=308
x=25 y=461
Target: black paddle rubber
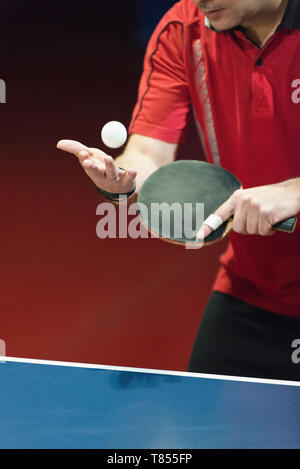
x=172 y=200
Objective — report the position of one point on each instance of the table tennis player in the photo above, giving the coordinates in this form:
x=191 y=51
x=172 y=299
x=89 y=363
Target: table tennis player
x=234 y=65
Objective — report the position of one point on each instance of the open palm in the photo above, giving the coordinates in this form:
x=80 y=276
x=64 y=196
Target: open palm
x=100 y=167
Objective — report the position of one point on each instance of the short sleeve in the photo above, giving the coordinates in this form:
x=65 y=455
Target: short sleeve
x=163 y=105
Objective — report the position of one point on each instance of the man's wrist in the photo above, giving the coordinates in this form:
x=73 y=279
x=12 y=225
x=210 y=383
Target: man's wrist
x=294 y=186
x=112 y=196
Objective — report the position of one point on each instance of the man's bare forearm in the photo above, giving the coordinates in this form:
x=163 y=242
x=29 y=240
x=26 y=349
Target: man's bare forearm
x=145 y=155
x=143 y=163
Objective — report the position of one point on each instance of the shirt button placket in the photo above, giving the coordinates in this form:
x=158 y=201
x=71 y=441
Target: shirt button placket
x=263 y=100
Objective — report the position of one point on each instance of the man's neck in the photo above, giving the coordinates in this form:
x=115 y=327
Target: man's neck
x=260 y=28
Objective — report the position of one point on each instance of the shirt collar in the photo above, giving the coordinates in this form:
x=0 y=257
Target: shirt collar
x=290 y=20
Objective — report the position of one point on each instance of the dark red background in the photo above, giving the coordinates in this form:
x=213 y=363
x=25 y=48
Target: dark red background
x=65 y=294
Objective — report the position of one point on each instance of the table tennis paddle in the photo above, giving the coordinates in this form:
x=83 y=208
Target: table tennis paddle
x=188 y=184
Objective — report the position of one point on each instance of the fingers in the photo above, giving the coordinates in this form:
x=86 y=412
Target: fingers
x=92 y=164
x=100 y=167
x=108 y=166
x=252 y=211
x=224 y=212
x=76 y=148
x=80 y=150
x=250 y=219
x=111 y=169
x=71 y=146
x=264 y=226
x=98 y=154
x=240 y=217
x=204 y=232
x=130 y=174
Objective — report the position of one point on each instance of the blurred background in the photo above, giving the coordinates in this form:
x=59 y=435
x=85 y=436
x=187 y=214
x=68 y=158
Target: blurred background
x=69 y=67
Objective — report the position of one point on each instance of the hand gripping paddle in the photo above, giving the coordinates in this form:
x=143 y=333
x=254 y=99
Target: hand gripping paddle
x=171 y=201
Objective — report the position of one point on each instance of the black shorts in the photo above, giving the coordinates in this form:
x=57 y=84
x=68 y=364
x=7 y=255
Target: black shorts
x=239 y=339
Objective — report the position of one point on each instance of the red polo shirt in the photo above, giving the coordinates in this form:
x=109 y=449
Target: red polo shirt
x=246 y=103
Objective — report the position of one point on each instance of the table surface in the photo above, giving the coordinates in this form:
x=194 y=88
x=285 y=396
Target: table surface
x=58 y=405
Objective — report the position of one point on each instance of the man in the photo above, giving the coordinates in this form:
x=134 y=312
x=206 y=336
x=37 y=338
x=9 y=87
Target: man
x=234 y=64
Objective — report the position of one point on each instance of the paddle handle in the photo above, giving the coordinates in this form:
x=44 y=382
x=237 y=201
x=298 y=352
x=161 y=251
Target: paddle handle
x=287 y=226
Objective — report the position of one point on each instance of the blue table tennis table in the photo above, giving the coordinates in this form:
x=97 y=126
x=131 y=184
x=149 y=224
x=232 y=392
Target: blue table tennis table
x=56 y=405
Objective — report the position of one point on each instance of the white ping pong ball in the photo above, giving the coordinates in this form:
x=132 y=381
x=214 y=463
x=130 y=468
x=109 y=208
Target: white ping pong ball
x=114 y=134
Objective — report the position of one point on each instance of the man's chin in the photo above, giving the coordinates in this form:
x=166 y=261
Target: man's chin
x=223 y=20
x=223 y=25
